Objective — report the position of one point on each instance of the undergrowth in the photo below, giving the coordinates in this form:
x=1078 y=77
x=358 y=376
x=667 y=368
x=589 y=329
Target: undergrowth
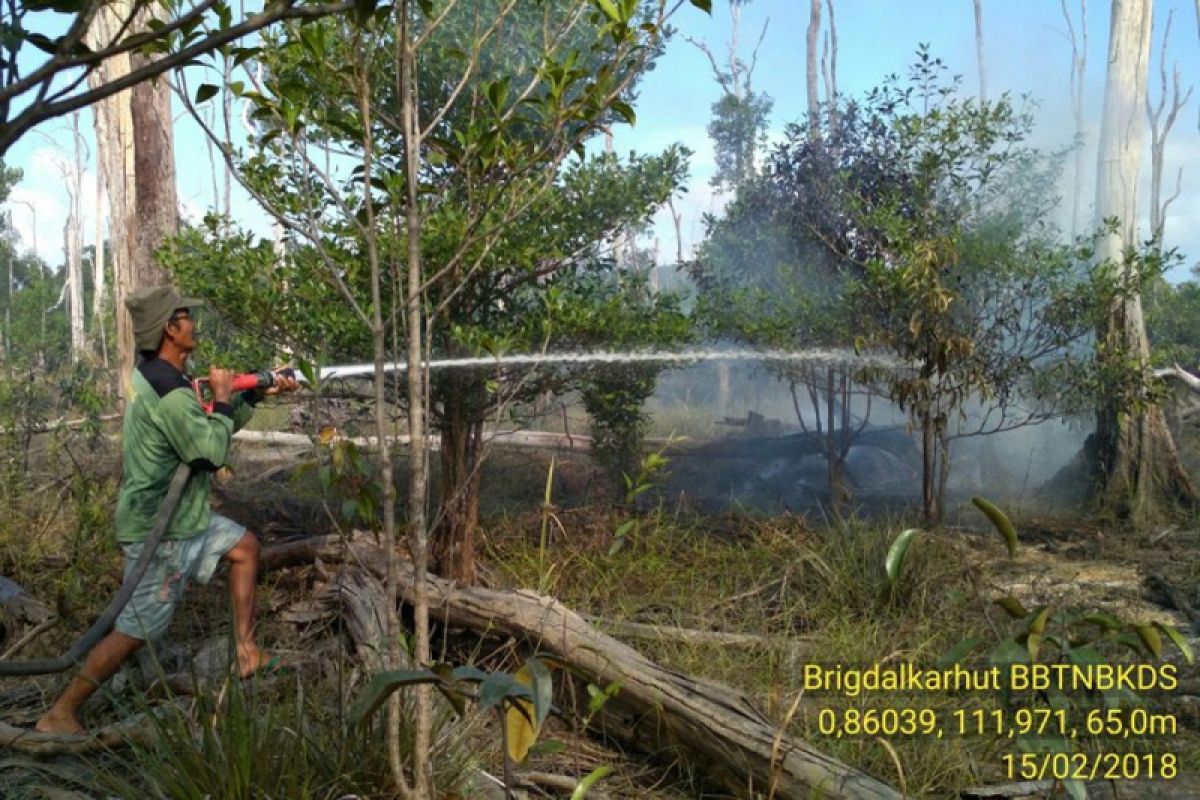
x=813 y=595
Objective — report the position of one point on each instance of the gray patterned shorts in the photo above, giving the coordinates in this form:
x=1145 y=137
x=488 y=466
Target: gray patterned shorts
x=176 y=563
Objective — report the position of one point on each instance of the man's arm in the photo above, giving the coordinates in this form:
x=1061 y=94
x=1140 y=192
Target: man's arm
x=200 y=439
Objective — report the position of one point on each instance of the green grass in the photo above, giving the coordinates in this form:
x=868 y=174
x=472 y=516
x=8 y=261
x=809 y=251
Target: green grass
x=824 y=589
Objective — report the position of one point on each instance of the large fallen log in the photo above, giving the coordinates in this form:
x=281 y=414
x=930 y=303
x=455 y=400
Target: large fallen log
x=723 y=732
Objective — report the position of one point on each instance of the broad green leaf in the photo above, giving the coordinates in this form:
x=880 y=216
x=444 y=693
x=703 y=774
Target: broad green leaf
x=548 y=747
x=703 y=5
x=589 y=781
x=1013 y=606
x=1038 y=623
x=609 y=9
x=625 y=110
x=466 y=673
x=1103 y=620
x=894 y=561
x=1001 y=522
x=1180 y=642
x=543 y=689
x=500 y=686
x=381 y=687
x=1033 y=643
x=1149 y=636
x=955 y=654
x=1076 y=789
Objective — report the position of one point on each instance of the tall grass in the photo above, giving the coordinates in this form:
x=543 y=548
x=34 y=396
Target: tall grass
x=275 y=739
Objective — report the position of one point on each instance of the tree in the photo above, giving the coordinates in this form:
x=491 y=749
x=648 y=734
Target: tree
x=1160 y=129
x=979 y=50
x=1078 y=73
x=1138 y=466
x=917 y=225
x=737 y=130
x=449 y=213
x=53 y=87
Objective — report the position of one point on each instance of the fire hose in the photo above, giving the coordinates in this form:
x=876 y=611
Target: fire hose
x=45 y=666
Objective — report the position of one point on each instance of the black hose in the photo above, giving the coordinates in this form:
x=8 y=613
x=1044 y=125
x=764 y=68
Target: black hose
x=45 y=666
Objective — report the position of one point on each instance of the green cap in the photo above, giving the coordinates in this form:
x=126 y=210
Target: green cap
x=150 y=308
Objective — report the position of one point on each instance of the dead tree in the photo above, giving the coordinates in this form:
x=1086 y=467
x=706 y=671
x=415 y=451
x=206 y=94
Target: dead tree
x=1160 y=128
x=829 y=66
x=1138 y=465
x=979 y=50
x=1078 y=71
x=811 y=73
x=74 y=242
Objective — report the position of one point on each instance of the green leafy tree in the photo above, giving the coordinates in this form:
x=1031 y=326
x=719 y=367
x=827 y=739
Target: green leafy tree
x=914 y=222
x=421 y=157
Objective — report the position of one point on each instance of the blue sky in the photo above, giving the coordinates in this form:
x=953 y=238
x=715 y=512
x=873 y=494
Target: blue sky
x=1026 y=51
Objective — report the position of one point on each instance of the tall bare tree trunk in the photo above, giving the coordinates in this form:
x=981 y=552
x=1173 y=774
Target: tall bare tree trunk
x=135 y=143
x=98 y=277
x=811 y=72
x=155 y=201
x=979 y=50
x=829 y=67
x=74 y=245
x=1139 y=467
x=114 y=157
x=1078 y=70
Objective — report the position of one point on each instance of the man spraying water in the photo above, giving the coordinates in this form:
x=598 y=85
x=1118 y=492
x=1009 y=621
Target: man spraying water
x=165 y=426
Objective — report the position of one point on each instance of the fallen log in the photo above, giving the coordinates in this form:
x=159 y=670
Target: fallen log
x=694 y=636
x=718 y=725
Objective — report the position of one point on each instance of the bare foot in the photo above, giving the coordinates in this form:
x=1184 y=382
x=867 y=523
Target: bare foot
x=251 y=659
x=52 y=722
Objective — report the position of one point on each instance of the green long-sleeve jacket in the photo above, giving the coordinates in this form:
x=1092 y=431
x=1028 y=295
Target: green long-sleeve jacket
x=164 y=426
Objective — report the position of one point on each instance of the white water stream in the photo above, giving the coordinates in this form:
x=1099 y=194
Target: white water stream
x=810 y=357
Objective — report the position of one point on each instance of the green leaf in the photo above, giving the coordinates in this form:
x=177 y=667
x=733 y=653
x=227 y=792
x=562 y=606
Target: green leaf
x=590 y=780
x=1013 y=606
x=548 y=748
x=206 y=92
x=1038 y=623
x=625 y=110
x=955 y=654
x=1180 y=642
x=703 y=5
x=543 y=689
x=1149 y=636
x=609 y=9
x=498 y=686
x=1076 y=789
x=466 y=673
x=1002 y=523
x=894 y=561
x=381 y=687
x=1103 y=620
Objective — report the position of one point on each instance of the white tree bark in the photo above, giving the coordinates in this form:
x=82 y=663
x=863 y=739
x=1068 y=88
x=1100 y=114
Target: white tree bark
x=114 y=158
x=811 y=72
x=1120 y=146
x=74 y=245
x=979 y=50
x=1140 y=463
x=98 y=278
x=1078 y=71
